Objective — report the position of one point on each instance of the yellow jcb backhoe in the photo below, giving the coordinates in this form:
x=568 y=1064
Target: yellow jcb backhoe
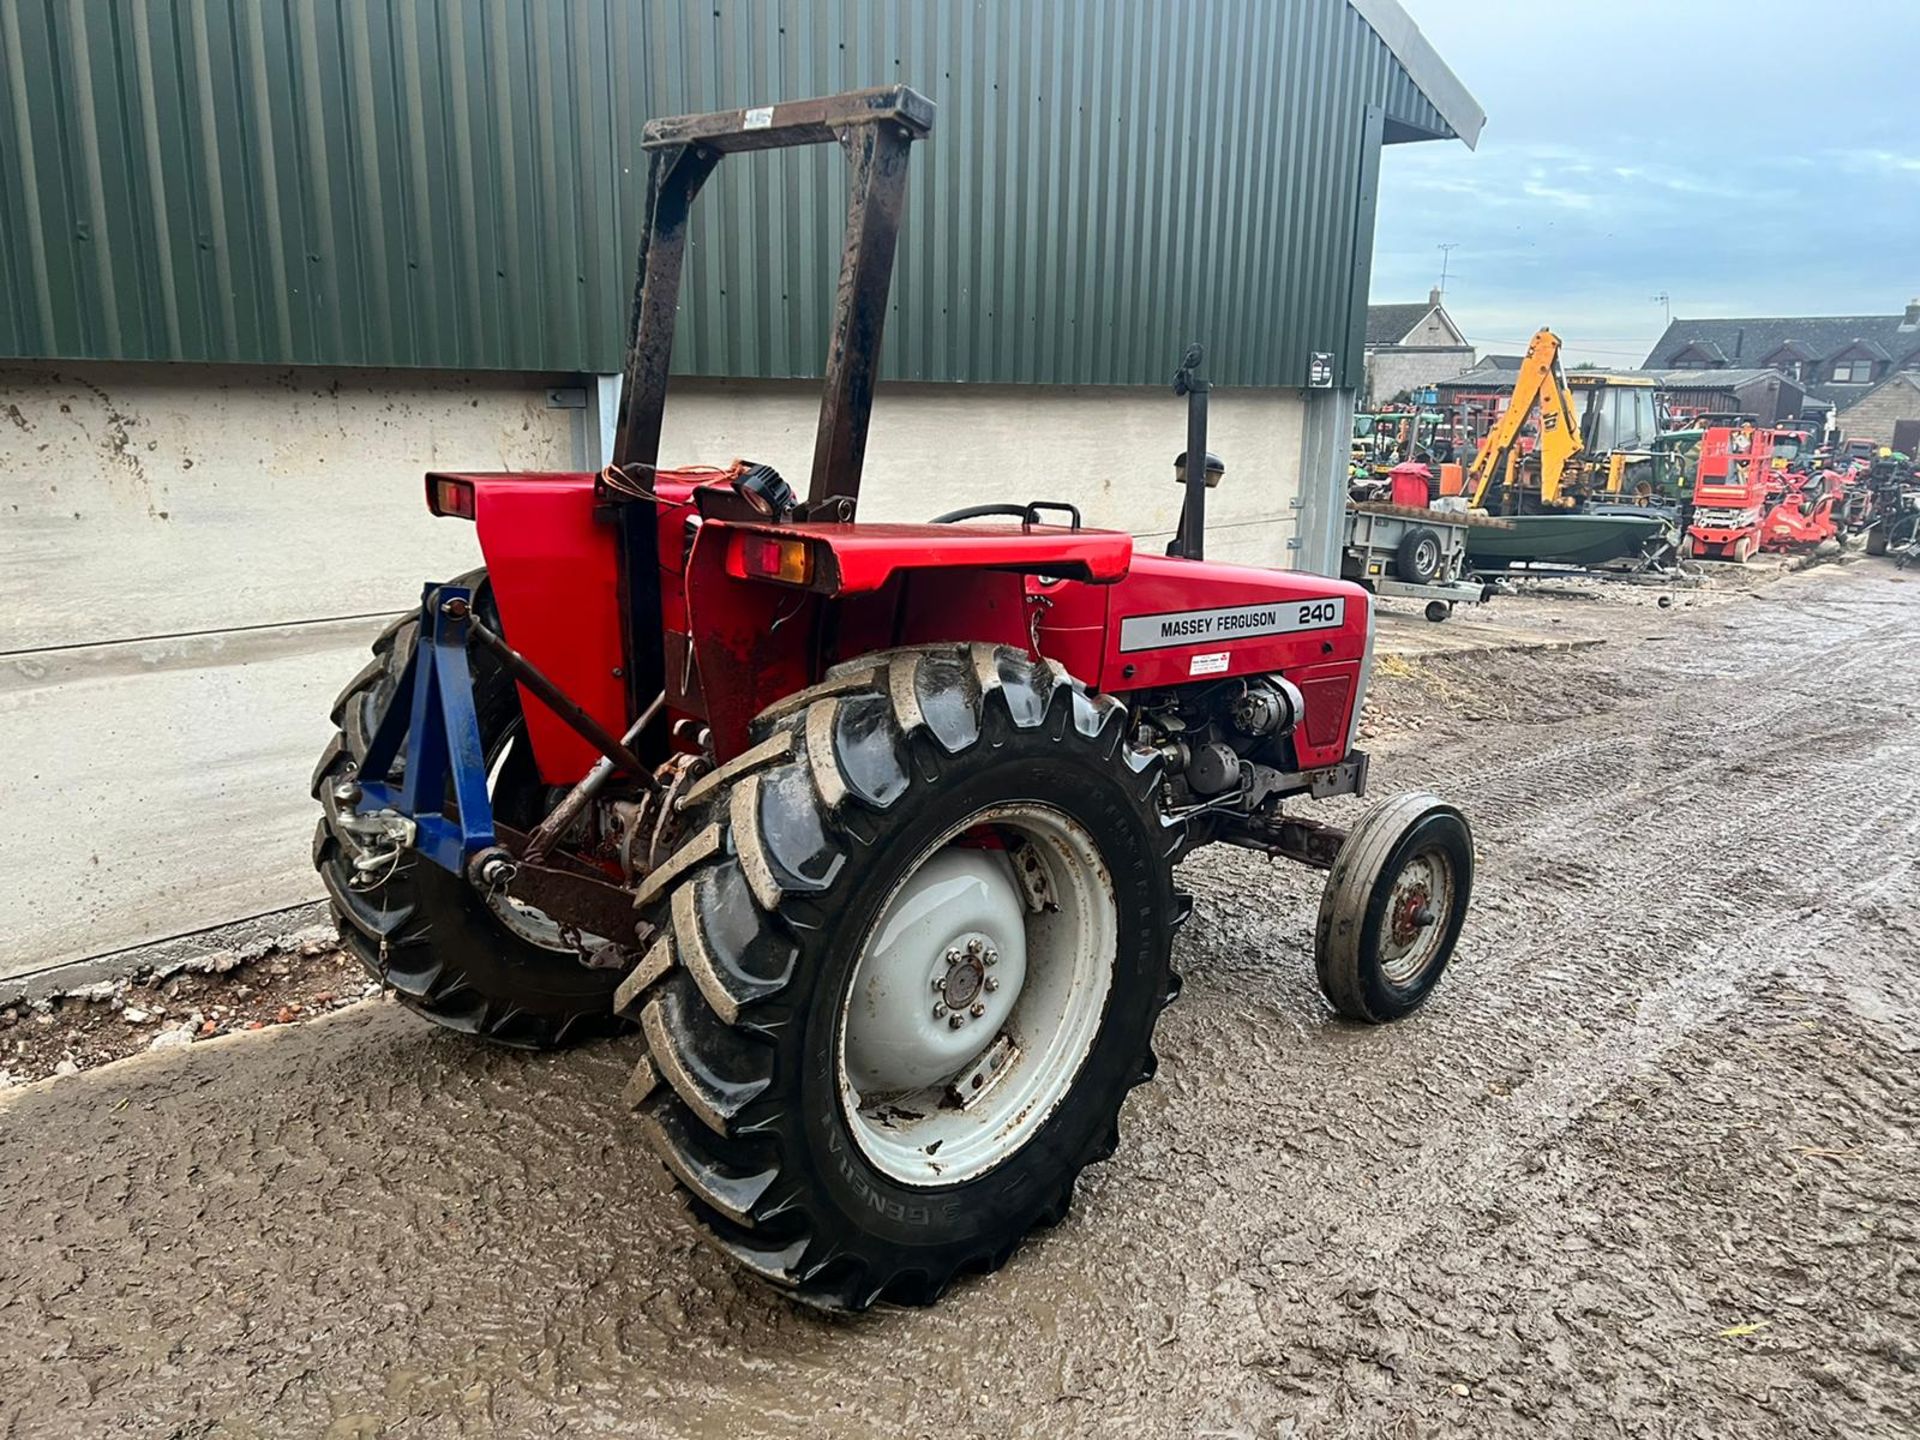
x=1580 y=452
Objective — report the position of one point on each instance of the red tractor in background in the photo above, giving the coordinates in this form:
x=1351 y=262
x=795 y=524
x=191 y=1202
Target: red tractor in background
x=870 y=829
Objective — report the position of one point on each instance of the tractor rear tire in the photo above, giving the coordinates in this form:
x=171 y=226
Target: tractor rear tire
x=424 y=931
x=789 y=970
x=1392 y=908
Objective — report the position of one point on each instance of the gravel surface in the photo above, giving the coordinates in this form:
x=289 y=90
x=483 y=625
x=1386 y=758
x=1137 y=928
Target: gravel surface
x=179 y=1005
x=1645 y=1166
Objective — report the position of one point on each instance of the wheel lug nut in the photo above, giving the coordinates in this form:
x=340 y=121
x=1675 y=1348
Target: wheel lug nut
x=940 y=983
x=993 y=983
x=973 y=947
x=954 y=1022
x=953 y=957
x=939 y=1012
x=979 y=1008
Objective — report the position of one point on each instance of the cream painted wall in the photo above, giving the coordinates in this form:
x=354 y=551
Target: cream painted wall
x=144 y=500
x=1108 y=450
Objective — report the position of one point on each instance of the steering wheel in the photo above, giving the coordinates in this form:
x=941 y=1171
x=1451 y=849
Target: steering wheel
x=1027 y=514
x=980 y=512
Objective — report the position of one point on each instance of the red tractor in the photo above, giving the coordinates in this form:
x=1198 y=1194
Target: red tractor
x=870 y=829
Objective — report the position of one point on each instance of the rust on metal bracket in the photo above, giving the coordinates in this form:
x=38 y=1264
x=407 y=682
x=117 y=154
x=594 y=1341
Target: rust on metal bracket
x=570 y=892
x=1310 y=842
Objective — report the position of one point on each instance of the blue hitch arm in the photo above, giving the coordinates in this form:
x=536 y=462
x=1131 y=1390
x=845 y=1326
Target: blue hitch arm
x=432 y=715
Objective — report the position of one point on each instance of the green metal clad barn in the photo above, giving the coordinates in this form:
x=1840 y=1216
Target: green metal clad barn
x=263 y=262
x=417 y=182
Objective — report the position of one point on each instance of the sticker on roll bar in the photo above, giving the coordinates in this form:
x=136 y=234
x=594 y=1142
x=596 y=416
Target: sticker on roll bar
x=1234 y=622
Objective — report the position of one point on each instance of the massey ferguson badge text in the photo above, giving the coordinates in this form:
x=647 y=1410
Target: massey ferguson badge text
x=1200 y=627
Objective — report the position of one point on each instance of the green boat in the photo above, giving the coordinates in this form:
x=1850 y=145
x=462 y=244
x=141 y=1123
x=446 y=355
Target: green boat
x=1575 y=538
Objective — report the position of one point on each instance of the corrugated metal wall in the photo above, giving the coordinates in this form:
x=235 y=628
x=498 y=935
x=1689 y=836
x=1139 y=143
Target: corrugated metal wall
x=431 y=182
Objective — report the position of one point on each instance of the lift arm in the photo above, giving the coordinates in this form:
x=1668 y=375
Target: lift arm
x=1541 y=384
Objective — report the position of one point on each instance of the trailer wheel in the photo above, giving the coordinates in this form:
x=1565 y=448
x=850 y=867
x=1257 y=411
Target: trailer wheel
x=908 y=968
x=1418 y=558
x=1393 y=907
x=465 y=961
x=1438 y=610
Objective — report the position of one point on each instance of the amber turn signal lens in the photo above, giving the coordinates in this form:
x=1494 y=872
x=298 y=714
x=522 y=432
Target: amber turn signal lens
x=773 y=557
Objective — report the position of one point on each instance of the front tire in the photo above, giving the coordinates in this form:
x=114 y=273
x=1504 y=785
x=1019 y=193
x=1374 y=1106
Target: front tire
x=850 y=968
x=1392 y=908
x=424 y=931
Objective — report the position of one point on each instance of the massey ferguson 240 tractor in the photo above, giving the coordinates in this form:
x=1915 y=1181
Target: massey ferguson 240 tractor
x=870 y=829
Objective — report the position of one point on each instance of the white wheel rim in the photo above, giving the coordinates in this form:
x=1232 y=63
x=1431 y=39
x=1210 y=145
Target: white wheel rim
x=932 y=1102
x=1419 y=906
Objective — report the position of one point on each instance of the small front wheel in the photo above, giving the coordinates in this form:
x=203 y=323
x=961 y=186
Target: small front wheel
x=1438 y=610
x=1393 y=907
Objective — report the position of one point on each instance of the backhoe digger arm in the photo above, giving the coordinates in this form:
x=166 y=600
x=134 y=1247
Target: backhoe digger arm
x=1539 y=383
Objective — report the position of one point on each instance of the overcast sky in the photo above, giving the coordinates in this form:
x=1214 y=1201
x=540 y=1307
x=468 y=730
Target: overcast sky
x=1747 y=157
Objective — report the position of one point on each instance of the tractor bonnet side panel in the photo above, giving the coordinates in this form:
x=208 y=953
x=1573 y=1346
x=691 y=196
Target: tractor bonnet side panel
x=1177 y=622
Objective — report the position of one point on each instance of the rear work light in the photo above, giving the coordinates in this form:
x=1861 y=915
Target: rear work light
x=775 y=557
x=447 y=496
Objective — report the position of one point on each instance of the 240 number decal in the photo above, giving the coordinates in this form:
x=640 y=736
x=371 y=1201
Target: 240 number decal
x=1320 y=612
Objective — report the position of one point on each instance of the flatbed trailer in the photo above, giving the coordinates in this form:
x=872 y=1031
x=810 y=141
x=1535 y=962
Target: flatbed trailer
x=1412 y=552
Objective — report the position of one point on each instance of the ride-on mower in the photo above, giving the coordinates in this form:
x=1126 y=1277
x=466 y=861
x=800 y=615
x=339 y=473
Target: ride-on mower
x=869 y=828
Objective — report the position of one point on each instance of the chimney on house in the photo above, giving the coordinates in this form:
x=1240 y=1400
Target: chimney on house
x=1911 y=321
x=1433 y=298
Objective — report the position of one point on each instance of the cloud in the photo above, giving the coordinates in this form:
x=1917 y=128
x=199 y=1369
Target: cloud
x=1577 y=214
x=1538 y=189
x=1880 y=162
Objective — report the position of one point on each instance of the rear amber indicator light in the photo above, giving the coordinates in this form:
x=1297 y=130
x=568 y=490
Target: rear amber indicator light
x=773 y=557
x=450 y=497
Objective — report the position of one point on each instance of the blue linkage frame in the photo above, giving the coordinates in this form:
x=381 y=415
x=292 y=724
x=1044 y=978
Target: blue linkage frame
x=432 y=712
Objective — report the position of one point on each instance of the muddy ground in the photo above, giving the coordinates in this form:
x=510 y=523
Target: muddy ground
x=1646 y=1165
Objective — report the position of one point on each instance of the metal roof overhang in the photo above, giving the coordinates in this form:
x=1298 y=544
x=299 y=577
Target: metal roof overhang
x=1427 y=71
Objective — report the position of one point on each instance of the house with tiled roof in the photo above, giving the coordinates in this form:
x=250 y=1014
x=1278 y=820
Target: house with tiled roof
x=1411 y=347
x=1846 y=361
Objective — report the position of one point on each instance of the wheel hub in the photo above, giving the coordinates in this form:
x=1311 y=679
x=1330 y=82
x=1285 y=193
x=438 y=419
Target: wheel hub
x=1413 y=914
x=965 y=979
x=1422 y=897
x=954 y=929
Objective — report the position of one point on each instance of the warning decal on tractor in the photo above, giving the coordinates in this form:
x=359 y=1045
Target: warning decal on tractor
x=1235 y=622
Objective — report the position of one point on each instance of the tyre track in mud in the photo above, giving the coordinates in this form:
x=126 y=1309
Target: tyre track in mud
x=1685 y=901
x=1697 y=878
